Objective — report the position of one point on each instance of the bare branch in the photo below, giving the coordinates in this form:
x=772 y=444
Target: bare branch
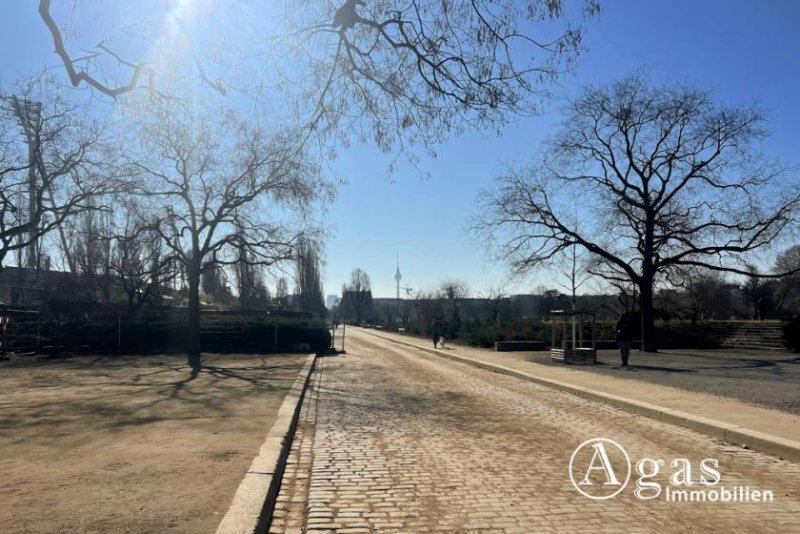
x=673 y=179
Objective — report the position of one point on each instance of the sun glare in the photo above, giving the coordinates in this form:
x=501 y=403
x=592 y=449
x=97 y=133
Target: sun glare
x=181 y=28
x=177 y=21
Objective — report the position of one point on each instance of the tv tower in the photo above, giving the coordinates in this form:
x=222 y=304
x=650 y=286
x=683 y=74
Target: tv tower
x=398 y=276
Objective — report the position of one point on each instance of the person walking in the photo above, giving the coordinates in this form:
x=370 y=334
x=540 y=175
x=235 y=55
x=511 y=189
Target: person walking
x=435 y=333
x=625 y=331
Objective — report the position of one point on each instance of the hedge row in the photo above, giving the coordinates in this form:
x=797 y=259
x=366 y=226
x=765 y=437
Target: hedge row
x=104 y=332
x=670 y=334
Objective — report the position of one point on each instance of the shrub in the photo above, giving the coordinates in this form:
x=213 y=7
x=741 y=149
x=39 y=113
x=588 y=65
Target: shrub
x=485 y=335
x=167 y=332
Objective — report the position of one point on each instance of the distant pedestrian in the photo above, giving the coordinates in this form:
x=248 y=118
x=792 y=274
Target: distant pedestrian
x=435 y=333
x=625 y=331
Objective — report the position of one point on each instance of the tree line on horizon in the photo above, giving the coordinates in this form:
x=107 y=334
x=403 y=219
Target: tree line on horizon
x=704 y=297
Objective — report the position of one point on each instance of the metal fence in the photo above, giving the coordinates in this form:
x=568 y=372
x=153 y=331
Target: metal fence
x=29 y=331
x=20 y=330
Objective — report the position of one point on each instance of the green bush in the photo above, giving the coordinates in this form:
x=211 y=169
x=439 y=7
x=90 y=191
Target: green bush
x=480 y=336
x=684 y=335
x=672 y=334
x=485 y=335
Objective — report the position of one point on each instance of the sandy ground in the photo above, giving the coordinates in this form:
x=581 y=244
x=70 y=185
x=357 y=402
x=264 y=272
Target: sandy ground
x=131 y=444
x=768 y=379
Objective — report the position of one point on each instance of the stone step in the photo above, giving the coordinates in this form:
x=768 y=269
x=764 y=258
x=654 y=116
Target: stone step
x=749 y=330
x=755 y=346
x=740 y=336
x=750 y=339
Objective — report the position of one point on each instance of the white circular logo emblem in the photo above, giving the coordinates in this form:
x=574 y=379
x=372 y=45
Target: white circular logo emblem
x=600 y=468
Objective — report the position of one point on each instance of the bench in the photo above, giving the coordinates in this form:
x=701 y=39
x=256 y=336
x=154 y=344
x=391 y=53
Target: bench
x=580 y=355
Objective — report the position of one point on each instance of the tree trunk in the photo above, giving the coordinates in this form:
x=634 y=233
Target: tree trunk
x=648 y=317
x=646 y=282
x=131 y=298
x=193 y=323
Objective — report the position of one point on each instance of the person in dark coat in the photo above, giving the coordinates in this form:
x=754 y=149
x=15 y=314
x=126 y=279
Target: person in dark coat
x=435 y=333
x=625 y=330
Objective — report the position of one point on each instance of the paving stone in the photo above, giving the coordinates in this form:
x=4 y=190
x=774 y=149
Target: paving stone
x=392 y=440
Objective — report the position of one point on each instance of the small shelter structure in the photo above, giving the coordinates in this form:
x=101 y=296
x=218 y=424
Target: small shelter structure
x=573 y=337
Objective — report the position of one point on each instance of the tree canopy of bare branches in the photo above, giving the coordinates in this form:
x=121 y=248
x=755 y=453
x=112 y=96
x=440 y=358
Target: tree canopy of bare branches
x=787 y=290
x=356 y=300
x=663 y=177
x=308 y=267
x=413 y=71
x=140 y=262
x=216 y=199
x=50 y=167
x=388 y=70
x=496 y=303
x=282 y=293
x=250 y=284
x=453 y=293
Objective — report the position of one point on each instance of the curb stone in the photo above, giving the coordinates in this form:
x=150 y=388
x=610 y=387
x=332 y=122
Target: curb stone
x=251 y=509
x=727 y=432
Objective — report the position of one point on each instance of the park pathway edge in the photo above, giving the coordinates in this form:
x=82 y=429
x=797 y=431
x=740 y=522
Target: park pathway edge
x=253 y=503
x=727 y=432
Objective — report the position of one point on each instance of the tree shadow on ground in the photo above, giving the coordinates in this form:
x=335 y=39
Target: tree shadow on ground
x=638 y=367
x=684 y=363
x=118 y=394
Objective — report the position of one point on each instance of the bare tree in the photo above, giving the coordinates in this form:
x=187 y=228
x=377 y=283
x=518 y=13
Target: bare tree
x=757 y=292
x=89 y=252
x=140 y=264
x=308 y=276
x=223 y=187
x=249 y=278
x=50 y=158
x=787 y=290
x=356 y=300
x=673 y=180
x=453 y=294
x=245 y=273
x=214 y=283
x=387 y=70
x=705 y=295
x=576 y=273
x=282 y=293
x=359 y=281
x=428 y=307
x=496 y=303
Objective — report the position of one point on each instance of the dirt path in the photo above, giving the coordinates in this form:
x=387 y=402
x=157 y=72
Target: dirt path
x=130 y=444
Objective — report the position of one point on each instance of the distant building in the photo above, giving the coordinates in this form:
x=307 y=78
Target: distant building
x=20 y=286
x=38 y=288
x=330 y=301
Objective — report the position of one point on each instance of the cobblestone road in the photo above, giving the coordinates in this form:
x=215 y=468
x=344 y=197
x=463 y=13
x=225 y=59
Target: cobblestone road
x=394 y=440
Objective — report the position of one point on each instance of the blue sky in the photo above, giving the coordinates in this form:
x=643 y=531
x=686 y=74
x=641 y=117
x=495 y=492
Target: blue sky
x=744 y=51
